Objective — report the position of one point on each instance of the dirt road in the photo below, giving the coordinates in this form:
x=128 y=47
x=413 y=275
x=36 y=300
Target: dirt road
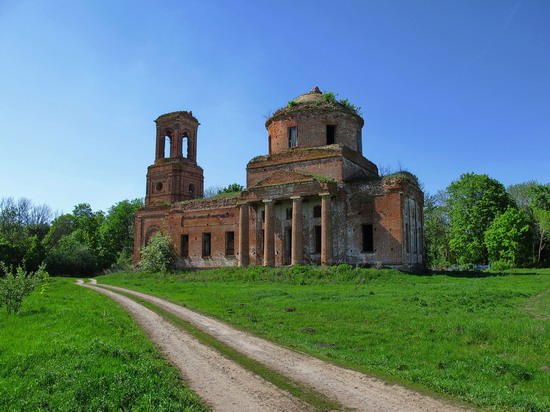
x=352 y=389
x=224 y=385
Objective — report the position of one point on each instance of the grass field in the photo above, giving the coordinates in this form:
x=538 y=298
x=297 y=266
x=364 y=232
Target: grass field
x=73 y=349
x=484 y=339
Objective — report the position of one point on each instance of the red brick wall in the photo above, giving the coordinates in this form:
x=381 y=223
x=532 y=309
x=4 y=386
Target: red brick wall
x=312 y=129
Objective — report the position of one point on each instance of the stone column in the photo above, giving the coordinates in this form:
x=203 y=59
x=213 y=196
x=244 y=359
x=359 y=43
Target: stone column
x=297 y=237
x=244 y=248
x=326 y=230
x=269 y=233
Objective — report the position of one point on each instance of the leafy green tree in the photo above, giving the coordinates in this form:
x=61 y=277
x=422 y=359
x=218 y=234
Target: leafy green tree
x=70 y=257
x=541 y=217
x=117 y=232
x=508 y=238
x=436 y=231
x=87 y=224
x=158 y=255
x=233 y=187
x=474 y=202
x=14 y=287
x=534 y=200
x=61 y=226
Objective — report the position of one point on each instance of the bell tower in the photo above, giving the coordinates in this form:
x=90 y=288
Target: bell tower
x=175 y=175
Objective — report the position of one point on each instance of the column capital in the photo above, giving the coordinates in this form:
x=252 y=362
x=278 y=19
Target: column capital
x=267 y=200
x=324 y=194
x=295 y=197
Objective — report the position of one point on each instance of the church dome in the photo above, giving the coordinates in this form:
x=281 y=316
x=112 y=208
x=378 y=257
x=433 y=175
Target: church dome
x=315 y=119
x=315 y=101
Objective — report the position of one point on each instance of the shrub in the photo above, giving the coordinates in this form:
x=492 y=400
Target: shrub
x=500 y=266
x=14 y=287
x=158 y=255
x=71 y=258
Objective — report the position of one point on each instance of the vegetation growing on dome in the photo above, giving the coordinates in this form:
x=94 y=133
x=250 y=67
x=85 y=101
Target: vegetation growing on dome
x=330 y=97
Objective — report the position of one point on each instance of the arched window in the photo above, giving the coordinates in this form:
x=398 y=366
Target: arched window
x=150 y=234
x=185 y=145
x=167 y=143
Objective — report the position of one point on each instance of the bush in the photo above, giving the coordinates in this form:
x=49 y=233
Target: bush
x=71 y=258
x=500 y=266
x=15 y=287
x=158 y=255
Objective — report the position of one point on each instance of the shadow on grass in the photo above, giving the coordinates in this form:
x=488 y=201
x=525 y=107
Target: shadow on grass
x=472 y=274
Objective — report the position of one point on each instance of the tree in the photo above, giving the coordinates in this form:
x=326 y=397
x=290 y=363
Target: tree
x=117 y=232
x=436 y=230
x=534 y=200
x=508 y=238
x=158 y=255
x=233 y=187
x=541 y=215
x=71 y=257
x=474 y=201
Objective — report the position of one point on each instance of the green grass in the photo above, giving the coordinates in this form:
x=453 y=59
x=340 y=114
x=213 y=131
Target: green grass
x=471 y=337
x=73 y=349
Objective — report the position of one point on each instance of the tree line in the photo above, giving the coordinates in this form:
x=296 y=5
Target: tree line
x=477 y=221
x=83 y=242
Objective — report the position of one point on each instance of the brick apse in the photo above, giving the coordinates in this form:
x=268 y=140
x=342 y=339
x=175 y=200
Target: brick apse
x=314 y=199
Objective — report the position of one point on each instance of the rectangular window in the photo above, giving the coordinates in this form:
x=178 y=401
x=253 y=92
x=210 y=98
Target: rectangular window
x=293 y=136
x=288 y=213
x=317 y=211
x=368 y=239
x=229 y=243
x=317 y=239
x=206 y=244
x=184 y=246
x=331 y=134
x=359 y=142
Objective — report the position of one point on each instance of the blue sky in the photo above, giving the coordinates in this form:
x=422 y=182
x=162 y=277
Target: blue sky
x=446 y=87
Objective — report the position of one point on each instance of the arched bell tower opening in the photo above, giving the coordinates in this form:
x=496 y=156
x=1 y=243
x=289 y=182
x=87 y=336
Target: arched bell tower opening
x=175 y=175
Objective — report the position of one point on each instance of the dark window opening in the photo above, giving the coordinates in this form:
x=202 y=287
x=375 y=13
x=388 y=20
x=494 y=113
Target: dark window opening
x=289 y=213
x=263 y=215
x=184 y=246
x=331 y=134
x=415 y=241
x=269 y=144
x=359 y=142
x=229 y=243
x=317 y=211
x=206 y=244
x=293 y=136
x=261 y=243
x=368 y=239
x=407 y=242
x=317 y=239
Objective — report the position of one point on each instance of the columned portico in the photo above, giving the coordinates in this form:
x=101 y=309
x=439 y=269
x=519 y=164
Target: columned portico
x=297 y=238
x=244 y=256
x=269 y=233
x=326 y=230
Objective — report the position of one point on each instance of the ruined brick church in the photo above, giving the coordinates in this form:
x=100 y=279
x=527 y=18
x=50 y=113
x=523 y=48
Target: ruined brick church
x=314 y=199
